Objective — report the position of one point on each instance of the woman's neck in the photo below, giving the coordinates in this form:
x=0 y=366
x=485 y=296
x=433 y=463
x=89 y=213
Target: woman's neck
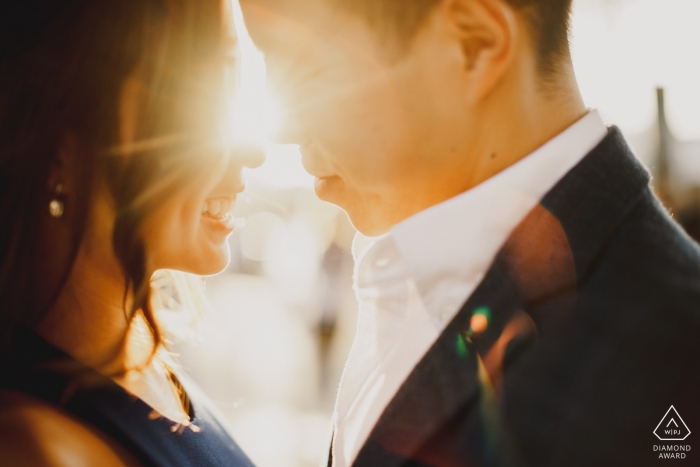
x=89 y=319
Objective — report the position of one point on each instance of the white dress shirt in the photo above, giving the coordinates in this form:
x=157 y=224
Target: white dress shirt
x=411 y=282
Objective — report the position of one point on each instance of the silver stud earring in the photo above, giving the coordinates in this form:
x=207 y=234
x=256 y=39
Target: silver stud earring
x=56 y=204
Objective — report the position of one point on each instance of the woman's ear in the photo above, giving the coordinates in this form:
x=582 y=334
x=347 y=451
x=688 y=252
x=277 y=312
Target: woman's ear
x=486 y=31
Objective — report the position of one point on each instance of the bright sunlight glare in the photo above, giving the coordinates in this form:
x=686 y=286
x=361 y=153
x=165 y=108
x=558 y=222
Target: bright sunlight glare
x=256 y=115
x=623 y=49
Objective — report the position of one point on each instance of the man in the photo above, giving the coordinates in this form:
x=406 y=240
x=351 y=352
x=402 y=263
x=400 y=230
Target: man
x=524 y=299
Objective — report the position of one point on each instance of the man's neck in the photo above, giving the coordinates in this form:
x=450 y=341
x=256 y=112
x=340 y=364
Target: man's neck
x=522 y=118
x=510 y=123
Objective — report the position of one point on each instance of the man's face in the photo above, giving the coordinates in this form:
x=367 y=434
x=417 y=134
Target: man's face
x=380 y=129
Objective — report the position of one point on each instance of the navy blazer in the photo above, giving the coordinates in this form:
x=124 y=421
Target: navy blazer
x=593 y=309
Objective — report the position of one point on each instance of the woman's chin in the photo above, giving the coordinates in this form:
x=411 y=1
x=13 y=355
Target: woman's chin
x=216 y=266
x=210 y=262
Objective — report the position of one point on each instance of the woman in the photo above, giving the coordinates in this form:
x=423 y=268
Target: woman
x=114 y=164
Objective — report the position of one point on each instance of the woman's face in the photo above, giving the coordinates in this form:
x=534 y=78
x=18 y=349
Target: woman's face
x=189 y=229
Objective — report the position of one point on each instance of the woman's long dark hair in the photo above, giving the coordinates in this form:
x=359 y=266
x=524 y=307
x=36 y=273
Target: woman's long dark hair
x=63 y=66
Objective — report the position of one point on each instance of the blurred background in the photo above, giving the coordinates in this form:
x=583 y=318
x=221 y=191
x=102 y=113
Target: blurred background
x=271 y=350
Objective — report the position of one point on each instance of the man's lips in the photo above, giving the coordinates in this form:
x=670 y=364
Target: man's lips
x=314 y=170
x=310 y=157
x=323 y=177
x=323 y=184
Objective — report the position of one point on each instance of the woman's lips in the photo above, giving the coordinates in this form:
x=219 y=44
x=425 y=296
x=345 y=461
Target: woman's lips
x=225 y=225
x=218 y=213
x=219 y=207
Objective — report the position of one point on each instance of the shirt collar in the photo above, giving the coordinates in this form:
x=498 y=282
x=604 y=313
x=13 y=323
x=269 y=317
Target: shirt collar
x=451 y=245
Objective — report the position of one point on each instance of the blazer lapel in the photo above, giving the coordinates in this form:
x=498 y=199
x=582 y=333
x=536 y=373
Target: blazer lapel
x=445 y=381
x=447 y=412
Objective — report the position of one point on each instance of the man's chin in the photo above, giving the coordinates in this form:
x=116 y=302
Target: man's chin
x=362 y=214
x=366 y=221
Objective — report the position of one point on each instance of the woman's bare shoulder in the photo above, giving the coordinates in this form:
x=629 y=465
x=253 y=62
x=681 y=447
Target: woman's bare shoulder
x=36 y=433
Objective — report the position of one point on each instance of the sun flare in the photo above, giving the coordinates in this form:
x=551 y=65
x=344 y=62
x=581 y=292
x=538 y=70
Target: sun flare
x=256 y=115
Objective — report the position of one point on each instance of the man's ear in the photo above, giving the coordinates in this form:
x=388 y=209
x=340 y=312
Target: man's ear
x=487 y=31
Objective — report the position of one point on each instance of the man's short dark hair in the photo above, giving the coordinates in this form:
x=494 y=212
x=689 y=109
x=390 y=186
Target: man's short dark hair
x=548 y=22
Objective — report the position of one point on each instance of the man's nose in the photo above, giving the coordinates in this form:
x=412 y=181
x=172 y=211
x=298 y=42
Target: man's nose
x=291 y=132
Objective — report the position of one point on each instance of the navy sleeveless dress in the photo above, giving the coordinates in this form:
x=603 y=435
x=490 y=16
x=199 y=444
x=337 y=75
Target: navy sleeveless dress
x=36 y=368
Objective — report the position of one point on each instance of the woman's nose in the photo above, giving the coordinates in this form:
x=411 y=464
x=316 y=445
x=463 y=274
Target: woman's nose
x=249 y=156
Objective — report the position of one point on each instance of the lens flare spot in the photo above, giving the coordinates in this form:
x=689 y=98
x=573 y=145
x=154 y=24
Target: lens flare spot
x=461 y=347
x=480 y=320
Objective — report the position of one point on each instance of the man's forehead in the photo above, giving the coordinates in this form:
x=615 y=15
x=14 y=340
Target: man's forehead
x=290 y=5
x=280 y=26
x=302 y=11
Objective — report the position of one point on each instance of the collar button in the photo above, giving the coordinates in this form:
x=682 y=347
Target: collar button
x=381 y=262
